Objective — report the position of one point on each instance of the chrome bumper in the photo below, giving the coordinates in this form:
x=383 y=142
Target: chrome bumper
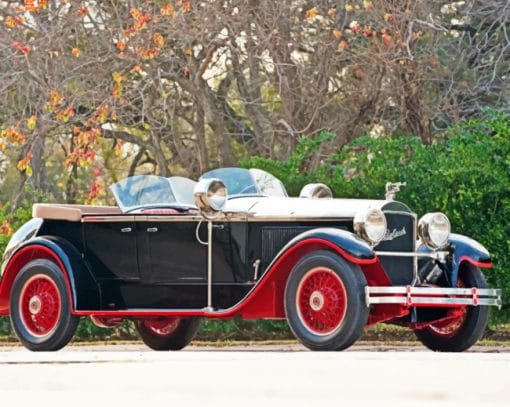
x=432 y=296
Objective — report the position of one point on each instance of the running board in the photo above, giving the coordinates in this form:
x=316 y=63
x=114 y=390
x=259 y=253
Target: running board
x=432 y=296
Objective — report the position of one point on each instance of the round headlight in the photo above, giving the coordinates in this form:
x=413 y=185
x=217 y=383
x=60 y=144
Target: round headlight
x=434 y=229
x=370 y=225
x=316 y=191
x=210 y=196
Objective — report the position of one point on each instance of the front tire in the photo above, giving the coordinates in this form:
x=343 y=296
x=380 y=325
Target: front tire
x=465 y=330
x=166 y=333
x=40 y=307
x=324 y=301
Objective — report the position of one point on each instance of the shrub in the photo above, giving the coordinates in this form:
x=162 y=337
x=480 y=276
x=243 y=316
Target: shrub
x=466 y=175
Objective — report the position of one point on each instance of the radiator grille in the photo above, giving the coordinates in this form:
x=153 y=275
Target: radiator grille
x=274 y=238
x=401 y=238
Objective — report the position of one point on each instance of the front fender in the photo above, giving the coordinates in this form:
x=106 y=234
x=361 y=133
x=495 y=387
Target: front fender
x=467 y=250
x=84 y=290
x=347 y=244
x=267 y=298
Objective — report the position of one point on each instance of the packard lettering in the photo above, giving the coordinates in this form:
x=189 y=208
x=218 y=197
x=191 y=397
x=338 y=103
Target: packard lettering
x=393 y=234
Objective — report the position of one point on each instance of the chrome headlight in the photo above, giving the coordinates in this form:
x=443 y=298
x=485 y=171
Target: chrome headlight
x=434 y=229
x=210 y=196
x=370 y=225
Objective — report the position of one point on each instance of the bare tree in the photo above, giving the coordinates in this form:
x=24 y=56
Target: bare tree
x=124 y=87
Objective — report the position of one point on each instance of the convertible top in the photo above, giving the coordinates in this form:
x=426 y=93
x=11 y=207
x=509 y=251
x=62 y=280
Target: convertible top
x=69 y=212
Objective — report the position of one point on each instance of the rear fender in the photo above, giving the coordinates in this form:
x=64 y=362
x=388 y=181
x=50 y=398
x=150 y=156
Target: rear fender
x=467 y=250
x=82 y=288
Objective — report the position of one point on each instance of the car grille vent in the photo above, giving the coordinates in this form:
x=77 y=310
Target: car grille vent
x=274 y=238
x=399 y=269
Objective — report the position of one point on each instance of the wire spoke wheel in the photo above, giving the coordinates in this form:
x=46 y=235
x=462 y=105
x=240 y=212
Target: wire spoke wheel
x=324 y=301
x=463 y=330
x=162 y=326
x=167 y=333
x=450 y=327
x=40 y=305
x=321 y=301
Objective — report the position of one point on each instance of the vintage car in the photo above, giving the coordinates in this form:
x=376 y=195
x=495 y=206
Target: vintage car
x=174 y=251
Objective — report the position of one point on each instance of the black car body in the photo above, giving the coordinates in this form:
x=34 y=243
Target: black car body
x=173 y=251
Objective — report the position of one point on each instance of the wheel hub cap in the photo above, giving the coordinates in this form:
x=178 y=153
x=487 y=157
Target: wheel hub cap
x=34 y=305
x=316 y=301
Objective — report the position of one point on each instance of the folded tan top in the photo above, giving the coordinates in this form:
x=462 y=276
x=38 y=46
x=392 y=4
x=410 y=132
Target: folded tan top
x=72 y=213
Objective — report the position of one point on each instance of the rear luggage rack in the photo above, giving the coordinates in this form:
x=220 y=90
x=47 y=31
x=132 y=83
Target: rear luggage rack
x=432 y=296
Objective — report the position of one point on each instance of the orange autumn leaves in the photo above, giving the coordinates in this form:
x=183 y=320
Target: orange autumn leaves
x=345 y=35
x=141 y=22
x=15 y=137
x=83 y=153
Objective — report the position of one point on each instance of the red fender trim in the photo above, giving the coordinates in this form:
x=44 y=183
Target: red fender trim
x=474 y=262
x=265 y=300
x=16 y=263
x=333 y=246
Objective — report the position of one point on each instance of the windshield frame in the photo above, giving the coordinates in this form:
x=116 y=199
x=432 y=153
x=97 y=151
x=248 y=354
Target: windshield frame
x=242 y=182
x=133 y=193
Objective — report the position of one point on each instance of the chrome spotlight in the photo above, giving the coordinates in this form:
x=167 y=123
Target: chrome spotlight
x=210 y=196
x=317 y=190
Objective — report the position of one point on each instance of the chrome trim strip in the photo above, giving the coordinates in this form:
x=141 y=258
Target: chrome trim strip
x=112 y=218
x=412 y=296
x=434 y=290
x=434 y=255
x=434 y=300
x=198 y=218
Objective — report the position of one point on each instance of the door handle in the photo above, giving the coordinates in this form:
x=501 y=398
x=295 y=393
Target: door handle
x=152 y=230
x=126 y=230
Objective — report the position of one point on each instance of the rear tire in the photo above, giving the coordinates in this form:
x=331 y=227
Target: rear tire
x=166 y=333
x=325 y=301
x=40 y=307
x=463 y=332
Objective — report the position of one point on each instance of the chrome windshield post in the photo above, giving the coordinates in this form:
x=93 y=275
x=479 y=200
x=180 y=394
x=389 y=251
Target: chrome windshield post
x=209 y=265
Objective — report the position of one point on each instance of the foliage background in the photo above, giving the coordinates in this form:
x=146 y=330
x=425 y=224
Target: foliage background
x=352 y=93
x=465 y=176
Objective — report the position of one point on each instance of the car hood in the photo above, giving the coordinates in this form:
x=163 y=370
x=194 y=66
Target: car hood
x=269 y=207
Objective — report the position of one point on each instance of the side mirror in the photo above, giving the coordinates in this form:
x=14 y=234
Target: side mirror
x=317 y=191
x=210 y=197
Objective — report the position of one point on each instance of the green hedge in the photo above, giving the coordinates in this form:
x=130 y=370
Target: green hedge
x=466 y=175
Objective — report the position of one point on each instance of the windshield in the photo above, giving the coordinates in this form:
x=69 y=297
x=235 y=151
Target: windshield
x=144 y=191
x=252 y=182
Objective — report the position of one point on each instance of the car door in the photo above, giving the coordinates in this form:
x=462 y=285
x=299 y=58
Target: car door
x=173 y=263
x=170 y=252
x=111 y=248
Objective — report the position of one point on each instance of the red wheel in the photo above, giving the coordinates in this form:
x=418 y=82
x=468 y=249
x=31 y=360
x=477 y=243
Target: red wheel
x=40 y=307
x=321 y=301
x=462 y=332
x=450 y=327
x=166 y=333
x=161 y=327
x=324 y=301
